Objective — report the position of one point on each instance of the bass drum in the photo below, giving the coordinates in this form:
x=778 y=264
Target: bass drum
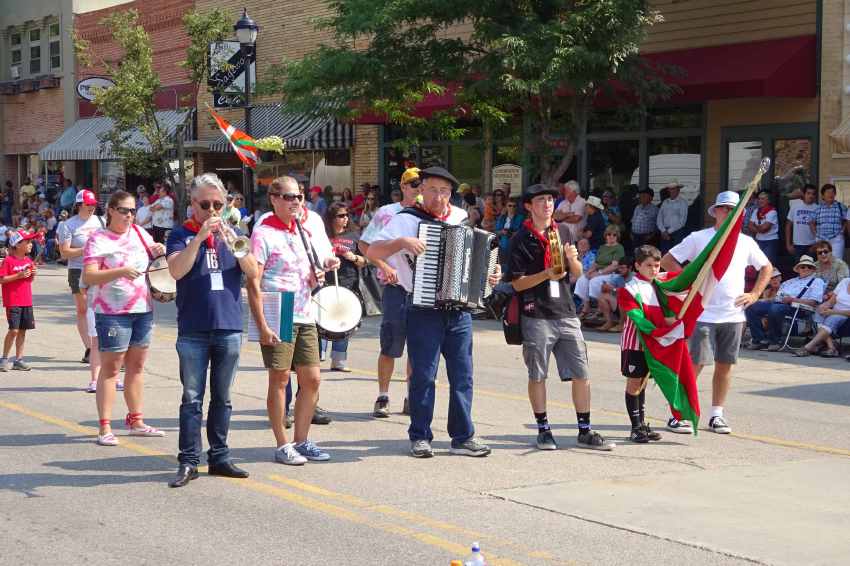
x=162 y=285
x=339 y=312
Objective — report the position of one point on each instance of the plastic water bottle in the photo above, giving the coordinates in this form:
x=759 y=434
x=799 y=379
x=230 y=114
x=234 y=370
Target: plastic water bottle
x=476 y=558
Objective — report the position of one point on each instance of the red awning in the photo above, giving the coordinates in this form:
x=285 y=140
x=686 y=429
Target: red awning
x=784 y=67
x=429 y=104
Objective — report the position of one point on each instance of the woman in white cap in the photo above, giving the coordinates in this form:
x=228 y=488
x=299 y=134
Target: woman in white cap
x=72 y=236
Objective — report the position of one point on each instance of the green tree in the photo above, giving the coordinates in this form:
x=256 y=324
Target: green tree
x=545 y=62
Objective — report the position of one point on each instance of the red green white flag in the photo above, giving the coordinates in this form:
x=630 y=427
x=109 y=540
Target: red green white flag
x=244 y=145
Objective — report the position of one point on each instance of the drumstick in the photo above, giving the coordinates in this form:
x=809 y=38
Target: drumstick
x=318 y=304
x=336 y=285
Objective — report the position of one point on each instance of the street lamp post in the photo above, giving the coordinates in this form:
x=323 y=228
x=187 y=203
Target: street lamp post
x=246 y=32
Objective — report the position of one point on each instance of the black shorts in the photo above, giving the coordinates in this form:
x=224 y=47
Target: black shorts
x=74 y=276
x=20 y=318
x=633 y=364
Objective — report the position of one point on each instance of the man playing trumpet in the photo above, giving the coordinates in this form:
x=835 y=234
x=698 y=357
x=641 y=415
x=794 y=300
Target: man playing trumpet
x=209 y=326
x=538 y=272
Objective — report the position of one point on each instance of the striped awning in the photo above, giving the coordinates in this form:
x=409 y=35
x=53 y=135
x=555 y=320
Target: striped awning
x=296 y=130
x=81 y=141
x=840 y=137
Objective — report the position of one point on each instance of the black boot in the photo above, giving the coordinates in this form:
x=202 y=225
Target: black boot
x=185 y=474
x=228 y=470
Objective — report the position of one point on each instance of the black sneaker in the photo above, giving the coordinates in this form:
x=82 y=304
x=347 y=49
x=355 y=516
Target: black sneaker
x=85 y=359
x=545 y=441
x=651 y=434
x=382 y=408
x=405 y=408
x=594 y=441
x=639 y=435
x=321 y=416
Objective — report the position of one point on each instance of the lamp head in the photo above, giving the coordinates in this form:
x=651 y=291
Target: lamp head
x=246 y=29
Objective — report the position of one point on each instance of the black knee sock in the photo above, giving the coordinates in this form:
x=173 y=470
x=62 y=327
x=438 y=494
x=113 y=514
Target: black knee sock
x=542 y=421
x=633 y=409
x=642 y=405
x=583 y=421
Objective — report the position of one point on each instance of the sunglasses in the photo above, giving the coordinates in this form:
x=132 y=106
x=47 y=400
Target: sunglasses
x=124 y=210
x=415 y=184
x=824 y=252
x=344 y=215
x=288 y=197
x=206 y=204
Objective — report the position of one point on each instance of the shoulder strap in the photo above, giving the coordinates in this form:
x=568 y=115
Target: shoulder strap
x=311 y=251
x=102 y=223
x=806 y=287
x=144 y=243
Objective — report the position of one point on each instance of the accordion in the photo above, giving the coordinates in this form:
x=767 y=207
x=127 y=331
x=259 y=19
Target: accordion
x=453 y=271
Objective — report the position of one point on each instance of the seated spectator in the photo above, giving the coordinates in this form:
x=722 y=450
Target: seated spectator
x=830 y=317
x=506 y=225
x=608 y=298
x=806 y=289
x=585 y=255
x=589 y=285
x=830 y=268
x=594 y=228
x=773 y=285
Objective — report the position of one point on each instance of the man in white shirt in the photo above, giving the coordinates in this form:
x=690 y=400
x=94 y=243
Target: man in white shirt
x=672 y=217
x=717 y=336
x=798 y=232
x=394 y=297
x=430 y=331
x=572 y=210
x=764 y=222
x=805 y=289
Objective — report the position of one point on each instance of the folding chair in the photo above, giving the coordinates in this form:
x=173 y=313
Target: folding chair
x=802 y=313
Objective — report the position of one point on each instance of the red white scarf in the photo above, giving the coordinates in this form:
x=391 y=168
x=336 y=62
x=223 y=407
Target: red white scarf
x=763 y=211
x=432 y=215
x=194 y=227
x=274 y=222
x=544 y=241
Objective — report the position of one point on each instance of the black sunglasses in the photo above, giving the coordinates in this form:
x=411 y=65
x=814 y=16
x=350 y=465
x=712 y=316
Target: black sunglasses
x=415 y=184
x=343 y=215
x=125 y=210
x=824 y=252
x=206 y=204
x=289 y=197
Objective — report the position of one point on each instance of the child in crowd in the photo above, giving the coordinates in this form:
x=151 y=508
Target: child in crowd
x=608 y=298
x=17 y=272
x=637 y=316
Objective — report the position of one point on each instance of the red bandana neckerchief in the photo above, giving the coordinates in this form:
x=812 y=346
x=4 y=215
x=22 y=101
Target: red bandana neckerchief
x=274 y=222
x=544 y=241
x=762 y=212
x=194 y=227
x=434 y=216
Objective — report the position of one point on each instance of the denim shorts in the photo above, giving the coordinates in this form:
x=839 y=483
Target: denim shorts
x=118 y=332
x=394 y=304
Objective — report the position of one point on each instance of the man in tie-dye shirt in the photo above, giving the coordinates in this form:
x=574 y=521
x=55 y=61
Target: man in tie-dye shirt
x=279 y=242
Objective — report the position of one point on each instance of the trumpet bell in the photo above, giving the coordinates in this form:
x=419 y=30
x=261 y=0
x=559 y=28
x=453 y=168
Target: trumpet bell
x=241 y=247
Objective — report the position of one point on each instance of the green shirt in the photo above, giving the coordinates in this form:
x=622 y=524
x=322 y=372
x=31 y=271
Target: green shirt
x=609 y=254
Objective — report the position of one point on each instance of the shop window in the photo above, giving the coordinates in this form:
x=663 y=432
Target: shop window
x=621 y=120
x=395 y=162
x=792 y=167
x=466 y=162
x=744 y=158
x=111 y=177
x=675 y=117
x=675 y=159
x=431 y=156
x=612 y=164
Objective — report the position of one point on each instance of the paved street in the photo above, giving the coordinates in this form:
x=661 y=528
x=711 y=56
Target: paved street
x=774 y=492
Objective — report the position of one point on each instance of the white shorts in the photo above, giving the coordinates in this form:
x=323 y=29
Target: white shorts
x=92 y=330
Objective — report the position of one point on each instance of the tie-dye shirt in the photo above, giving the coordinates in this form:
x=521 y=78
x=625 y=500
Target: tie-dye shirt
x=109 y=250
x=286 y=266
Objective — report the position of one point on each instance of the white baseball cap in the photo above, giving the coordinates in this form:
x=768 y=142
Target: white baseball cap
x=726 y=198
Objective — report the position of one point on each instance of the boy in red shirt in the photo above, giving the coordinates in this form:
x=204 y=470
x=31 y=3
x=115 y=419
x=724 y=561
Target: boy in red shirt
x=16 y=275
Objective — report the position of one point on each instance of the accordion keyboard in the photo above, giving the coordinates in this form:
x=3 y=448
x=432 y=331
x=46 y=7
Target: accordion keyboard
x=427 y=270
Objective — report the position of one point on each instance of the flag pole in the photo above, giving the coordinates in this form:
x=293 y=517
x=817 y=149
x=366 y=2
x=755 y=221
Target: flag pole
x=751 y=187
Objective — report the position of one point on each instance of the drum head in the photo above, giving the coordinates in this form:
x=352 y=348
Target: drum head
x=160 y=278
x=338 y=309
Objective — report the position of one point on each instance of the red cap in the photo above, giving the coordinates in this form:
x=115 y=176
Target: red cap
x=315 y=189
x=20 y=236
x=87 y=197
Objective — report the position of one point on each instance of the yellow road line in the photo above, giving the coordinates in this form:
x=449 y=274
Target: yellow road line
x=413 y=518
x=335 y=511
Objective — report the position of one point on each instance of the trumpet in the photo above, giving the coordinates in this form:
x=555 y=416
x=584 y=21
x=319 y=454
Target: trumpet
x=239 y=246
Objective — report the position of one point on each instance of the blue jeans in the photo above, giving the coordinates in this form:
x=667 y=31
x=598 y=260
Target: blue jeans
x=339 y=349
x=429 y=334
x=775 y=313
x=218 y=350
x=770 y=249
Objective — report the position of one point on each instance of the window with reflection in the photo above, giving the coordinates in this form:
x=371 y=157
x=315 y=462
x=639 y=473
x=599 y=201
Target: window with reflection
x=612 y=164
x=792 y=164
x=744 y=158
x=675 y=160
x=675 y=117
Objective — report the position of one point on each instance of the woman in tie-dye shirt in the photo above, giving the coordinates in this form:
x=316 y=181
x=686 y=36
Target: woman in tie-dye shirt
x=114 y=264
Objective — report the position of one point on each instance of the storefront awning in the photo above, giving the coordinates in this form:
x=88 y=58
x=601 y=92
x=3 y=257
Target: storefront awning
x=783 y=67
x=840 y=137
x=82 y=142
x=298 y=131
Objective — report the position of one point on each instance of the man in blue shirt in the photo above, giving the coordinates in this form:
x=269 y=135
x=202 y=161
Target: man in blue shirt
x=66 y=198
x=209 y=328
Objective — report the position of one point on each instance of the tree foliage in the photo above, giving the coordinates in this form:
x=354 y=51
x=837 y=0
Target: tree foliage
x=546 y=61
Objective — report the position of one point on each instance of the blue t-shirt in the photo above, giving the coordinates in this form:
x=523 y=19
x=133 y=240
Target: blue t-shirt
x=199 y=309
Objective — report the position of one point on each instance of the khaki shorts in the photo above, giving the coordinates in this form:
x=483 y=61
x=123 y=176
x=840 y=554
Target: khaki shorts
x=542 y=338
x=302 y=351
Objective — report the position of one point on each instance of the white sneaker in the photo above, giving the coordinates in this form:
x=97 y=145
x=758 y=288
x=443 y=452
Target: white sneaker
x=92 y=388
x=287 y=454
x=718 y=425
x=680 y=427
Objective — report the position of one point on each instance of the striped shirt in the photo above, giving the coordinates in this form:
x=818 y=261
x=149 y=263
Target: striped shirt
x=830 y=220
